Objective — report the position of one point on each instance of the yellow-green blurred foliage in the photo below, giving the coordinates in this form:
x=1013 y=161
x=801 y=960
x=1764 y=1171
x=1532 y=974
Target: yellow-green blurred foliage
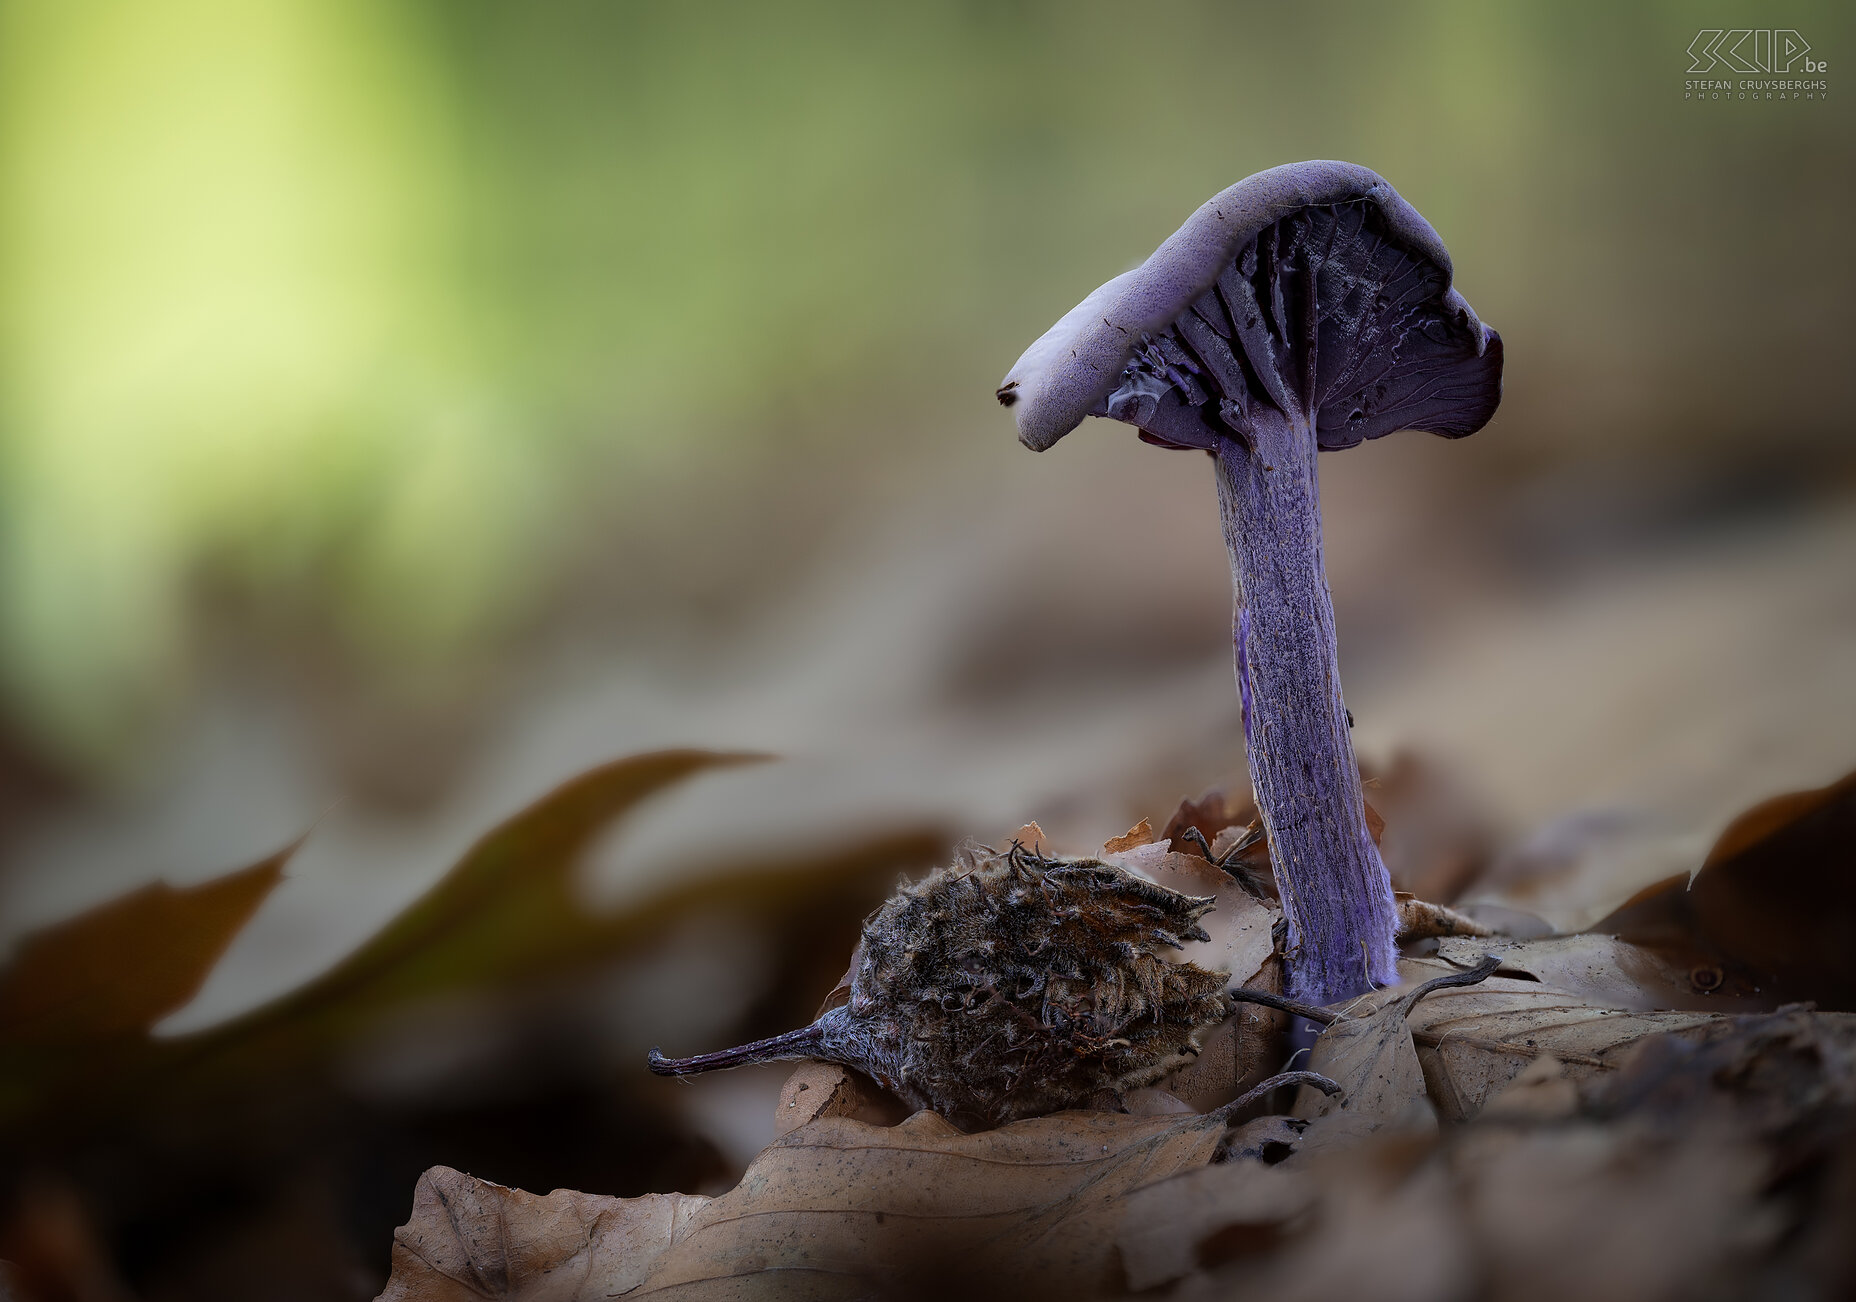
x=348 y=302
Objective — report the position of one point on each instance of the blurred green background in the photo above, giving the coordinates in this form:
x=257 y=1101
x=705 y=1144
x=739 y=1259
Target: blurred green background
x=405 y=405
x=368 y=321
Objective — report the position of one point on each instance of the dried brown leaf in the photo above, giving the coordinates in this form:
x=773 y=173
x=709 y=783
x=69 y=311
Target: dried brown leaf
x=1239 y=924
x=1422 y=920
x=469 y=1239
x=1473 y=1041
x=1172 y=1228
x=1367 y=1051
x=1601 y=969
x=835 y=1209
x=121 y=967
x=825 y=1089
x=1542 y=1092
x=508 y=909
x=1588 y=1211
x=1243 y=1050
x=1682 y=1174
x=1771 y=916
x=1031 y=836
x=1438 y=838
x=1211 y=814
x=1142 y=833
x=1383 y=1228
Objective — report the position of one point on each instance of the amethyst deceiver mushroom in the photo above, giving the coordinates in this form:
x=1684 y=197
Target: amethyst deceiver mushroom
x=1306 y=308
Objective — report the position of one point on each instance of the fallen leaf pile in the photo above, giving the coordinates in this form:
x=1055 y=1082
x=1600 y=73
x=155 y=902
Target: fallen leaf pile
x=1661 y=1108
x=1517 y=1119
x=262 y=1150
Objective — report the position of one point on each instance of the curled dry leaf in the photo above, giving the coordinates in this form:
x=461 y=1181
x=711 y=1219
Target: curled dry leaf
x=1210 y=815
x=1421 y=920
x=1142 y=833
x=119 y=968
x=509 y=908
x=1772 y=912
x=838 y=1208
x=1031 y=836
x=1470 y=1042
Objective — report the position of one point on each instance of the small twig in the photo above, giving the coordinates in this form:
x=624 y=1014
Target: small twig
x=1284 y=1004
x=1251 y=1095
x=1474 y=977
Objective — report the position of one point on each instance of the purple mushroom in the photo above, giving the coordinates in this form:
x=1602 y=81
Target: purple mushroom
x=1306 y=308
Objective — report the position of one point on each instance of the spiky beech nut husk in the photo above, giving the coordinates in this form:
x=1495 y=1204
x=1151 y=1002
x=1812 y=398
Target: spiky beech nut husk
x=1012 y=986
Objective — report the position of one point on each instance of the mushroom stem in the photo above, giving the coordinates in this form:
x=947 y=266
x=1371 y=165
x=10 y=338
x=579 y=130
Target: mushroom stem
x=806 y=1042
x=1335 y=890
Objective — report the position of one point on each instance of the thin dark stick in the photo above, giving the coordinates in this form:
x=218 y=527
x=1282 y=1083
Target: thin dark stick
x=1313 y=1078
x=1474 y=977
x=1284 y=1004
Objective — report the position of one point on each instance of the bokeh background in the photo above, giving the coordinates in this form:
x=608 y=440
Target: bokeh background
x=405 y=406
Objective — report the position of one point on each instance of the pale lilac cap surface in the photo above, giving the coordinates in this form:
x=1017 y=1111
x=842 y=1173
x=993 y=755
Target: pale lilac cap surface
x=1386 y=341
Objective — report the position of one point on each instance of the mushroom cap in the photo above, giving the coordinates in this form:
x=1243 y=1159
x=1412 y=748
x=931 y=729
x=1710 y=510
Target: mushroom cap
x=1402 y=348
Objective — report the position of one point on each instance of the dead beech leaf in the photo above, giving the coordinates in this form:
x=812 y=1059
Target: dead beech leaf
x=469 y=1239
x=1031 y=836
x=508 y=907
x=1243 y=1050
x=838 y=1208
x=1473 y=1041
x=1437 y=839
x=1239 y=924
x=1211 y=814
x=825 y=1089
x=1772 y=912
x=1384 y=1227
x=1659 y=1180
x=1367 y=1050
x=1601 y=969
x=1542 y=1092
x=1142 y=833
x=1774 y=817
x=1583 y=1211
x=1171 y=1227
x=119 y=968
x=1267 y=1139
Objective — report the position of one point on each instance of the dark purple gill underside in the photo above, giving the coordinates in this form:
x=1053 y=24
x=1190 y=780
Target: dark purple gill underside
x=1324 y=330
x=1323 y=315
